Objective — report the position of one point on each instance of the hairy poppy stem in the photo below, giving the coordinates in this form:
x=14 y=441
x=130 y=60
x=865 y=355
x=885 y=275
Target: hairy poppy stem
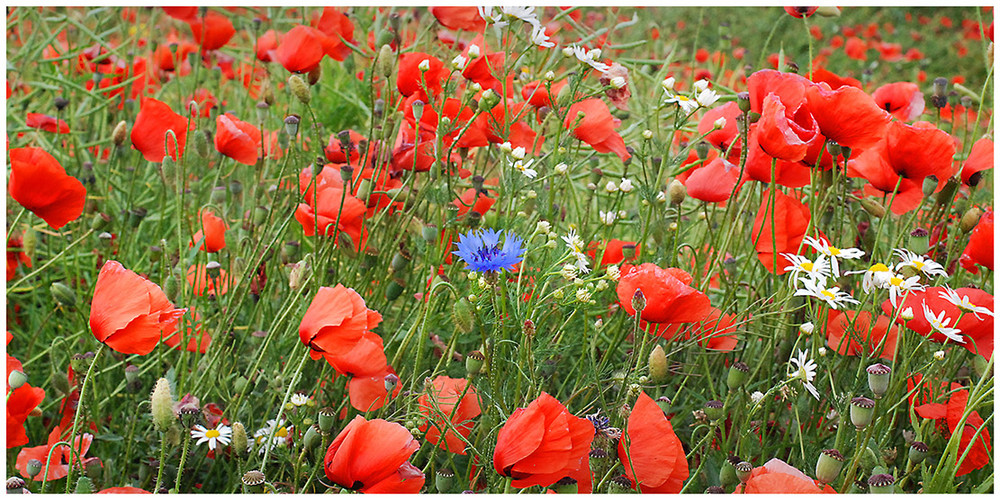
x=76 y=418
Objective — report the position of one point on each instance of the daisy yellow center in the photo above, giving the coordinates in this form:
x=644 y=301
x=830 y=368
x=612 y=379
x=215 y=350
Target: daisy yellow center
x=917 y=264
x=827 y=294
x=683 y=98
x=808 y=266
x=834 y=251
x=894 y=281
x=282 y=432
x=212 y=434
x=878 y=268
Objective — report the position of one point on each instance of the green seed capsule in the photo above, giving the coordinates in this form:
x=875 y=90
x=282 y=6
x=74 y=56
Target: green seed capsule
x=829 y=465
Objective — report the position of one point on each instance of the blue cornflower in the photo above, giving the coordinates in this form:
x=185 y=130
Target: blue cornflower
x=482 y=251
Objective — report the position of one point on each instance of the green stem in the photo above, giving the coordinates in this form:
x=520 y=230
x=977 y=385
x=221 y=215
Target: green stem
x=76 y=418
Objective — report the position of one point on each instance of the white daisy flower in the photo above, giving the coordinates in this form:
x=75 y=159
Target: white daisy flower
x=525 y=168
x=608 y=218
x=918 y=262
x=832 y=296
x=876 y=276
x=221 y=434
x=539 y=38
x=707 y=98
x=589 y=58
x=687 y=104
x=899 y=286
x=940 y=324
x=459 y=62
x=963 y=303
x=613 y=272
x=280 y=437
x=832 y=252
x=576 y=247
x=299 y=399
x=805 y=370
x=757 y=397
x=814 y=270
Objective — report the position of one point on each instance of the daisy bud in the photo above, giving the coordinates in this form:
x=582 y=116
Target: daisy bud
x=829 y=465
x=878 y=379
x=299 y=89
x=658 y=365
x=862 y=412
x=63 y=295
x=881 y=483
x=874 y=208
x=488 y=100
x=918 y=452
x=743 y=470
x=939 y=355
x=33 y=467
x=474 y=51
x=718 y=124
x=84 y=486
x=566 y=485
x=806 y=328
x=254 y=481
x=737 y=376
x=713 y=409
x=161 y=405
x=970 y=219
x=821 y=351
x=443 y=480
x=906 y=314
x=474 y=362
x=618 y=82
x=16 y=379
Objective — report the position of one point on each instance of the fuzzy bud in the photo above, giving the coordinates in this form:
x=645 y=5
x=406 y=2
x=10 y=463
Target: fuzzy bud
x=161 y=405
x=461 y=315
x=63 y=295
x=676 y=192
x=16 y=379
x=658 y=365
x=970 y=219
x=84 y=486
x=120 y=134
x=638 y=301
x=874 y=208
x=299 y=89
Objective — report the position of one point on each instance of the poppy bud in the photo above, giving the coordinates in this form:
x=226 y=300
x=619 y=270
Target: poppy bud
x=299 y=89
x=60 y=103
x=743 y=470
x=16 y=379
x=398 y=262
x=298 y=274
x=63 y=295
x=940 y=85
x=99 y=222
x=918 y=452
x=676 y=192
x=161 y=405
x=84 y=486
x=254 y=481
x=638 y=301
x=461 y=316
x=737 y=375
x=713 y=409
x=314 y=74
x=970 y=219
x=200 y=146
x=873 y=207
x=862 y=412
x=881 y=483
x=701 y=149
x=443 y=480
x=657 y=365
x=878 y=379
x=566 y=485
x=327 y=417
x=474 y=362
x=829 y=465
x=240 y=444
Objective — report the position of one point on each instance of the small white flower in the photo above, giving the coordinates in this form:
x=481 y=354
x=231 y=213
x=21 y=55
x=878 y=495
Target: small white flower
x=562 y=168
x=622 y=214
x=474 y=51
x=805 y=370
x=525 y=168
x=567 y=51
x=576 y=247
x=424 y=65
x=647 y=134
x=540 y=38
x=608 y=218
x=720 y=123
x=876 y=276
x=807 y=328
x=280 y=439
x=757 y=397
x=506 y=147
x=568 y=271
x=518 y=152
x=832 y=296
x=543 y=227
x=299 y=399
x=906 y=314
x=618 y=82
x=626 y=186
x=939 y=355
x=707 y=98
x=940 y=324
x=899 y=287
x=832 y=252
x=701 y=85
x=821 y=351
x=668 y=84
x=813 y=270
x=613 y=272
x=583 y=295
x=222 y=434
x=458 y=62
x=598 y=324
x=589 y=58
x=611 y=187
x=687 y=104
x=963 y=303
x=918 y=262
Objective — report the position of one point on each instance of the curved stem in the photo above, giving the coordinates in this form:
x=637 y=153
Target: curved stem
x=281 y=409
x=76 y=418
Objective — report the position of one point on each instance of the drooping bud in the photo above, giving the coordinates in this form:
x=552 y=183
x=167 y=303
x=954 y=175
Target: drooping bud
x=161 y=405
x=658 y=365
x=676 y=192
x=63 y=295
x=314 y=74
x=201 y=146
x=970 y=219
x=299 y=89
x=16 y=379
x=862 y=412
x=878 y=379
x=873 y=207
x=829 y=465
x=461 y=315
x=737 y=376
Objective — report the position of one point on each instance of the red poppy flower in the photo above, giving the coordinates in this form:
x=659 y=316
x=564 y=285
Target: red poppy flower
x=592 y=123
x=669 y=298
x=338 y=28
x=203 y=284
x=124 y=490
x=40 y=184
x=197 y=337
x=901 y=99
x=979 y=250
x=459 y=18
x=470 y=200
x=20 y=403
x=978 y=451
x=411 y=80
x=46 y=123
x=371 y=456
x=835 y=81
x=16 y=256
x=266 y=45
x=59 y=466
x=302 y=49
x=237 y=139
x=128 y=312
x=151 y=125
x=217 y=30
x=789 y=218
x=336 y=320
x=776 y=476
x=650 y=451
x=537 y=94
x=212 y=234
x=544 y=443
x=801 y=12
x=853 y=334
x=450 y=406
x=980 y=159
x=614 y=251
x=205 y=100
x=847 y=115
x=724 y=137
x=333 y=203
x=335 y=154
x=856 y=48
x=785 y=133
x=976 y=329
x=714 y=182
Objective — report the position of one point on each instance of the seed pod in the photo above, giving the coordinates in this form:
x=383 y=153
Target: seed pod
x=829 y=465
x=567 y=485
x=737 y=376
x=862 y=412
x=63 y=295
x=313 y=438
x=713 y=409
x=15 y=486
x=918 y=452
x=443 y=480
x=161 y=405
x=743 y=101
x=474 y=362
x=254 y=481
x=327 y=417
x=881 y=483
x=658 y=365
x=743 y=470
x=299 y=89
x=727 y=472
x=33 y=467
x=395 y=289
x=878 y=379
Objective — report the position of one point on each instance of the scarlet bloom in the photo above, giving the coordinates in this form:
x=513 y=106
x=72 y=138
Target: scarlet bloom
x=776 y=476
x=716 y=332
x=977 y=449
x=979 y=250
x=59 y=466
x=976 y=328
x=411 y=80
x=302 y=49
x=123 y=490
x=853 y=334
x=713 y=182
x=128 y=312
x=46 y=123
x=196 y=338
x=592 y=123
x=801 y=12
x=20 y=403
x=459 y=18
x=371 y=456
x=151 y=125
x=237 y=139
x=212 y=234
x=669 y=298
x=980 y=159
x=39 y=183
x=901 y=99
x=449 y=403
x=650 y=451
x=544 y=443
x=789 y=218
x=473 y=200
x=336 y=320
x=215 y=32
x=16 y=256
x=202 y=283
x=334 y=205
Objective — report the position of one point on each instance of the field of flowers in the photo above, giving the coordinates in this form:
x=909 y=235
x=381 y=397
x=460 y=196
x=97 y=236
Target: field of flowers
x=499 y=250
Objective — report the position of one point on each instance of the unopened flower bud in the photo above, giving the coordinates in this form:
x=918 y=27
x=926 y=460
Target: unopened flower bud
x=970 y=219
x=299 y=89
x=461 y=315
x=878 y=379
x=938 y=355
x=829 y=465
x=120 y=133
x=84 y=486
x=201 y=146
x=737 y=376
x=63 y=295
x=873 y=207
x=638 y=301
x=676 y=192
x=16 y=379
x=862 y=412
x=658 y=365
x=161 y=405
x=906 y=314
x=807 y=328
